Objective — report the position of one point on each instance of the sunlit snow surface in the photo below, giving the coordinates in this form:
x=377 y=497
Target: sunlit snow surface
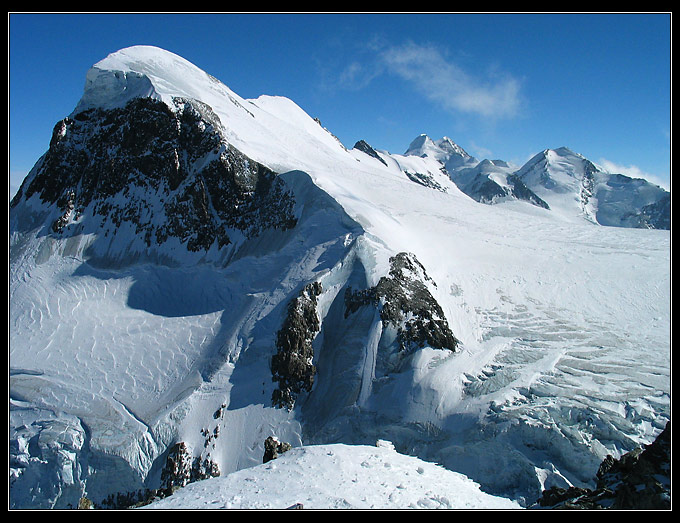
x=329 y=477
x=564 y=325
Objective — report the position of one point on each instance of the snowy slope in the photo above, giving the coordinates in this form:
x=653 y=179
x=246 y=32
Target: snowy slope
x=329 y=477
x=564 y=326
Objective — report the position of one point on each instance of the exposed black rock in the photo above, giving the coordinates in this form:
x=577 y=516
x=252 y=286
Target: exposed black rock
x=292 y=366
x=656 y=215
x=426 y=180
x=362 y=146
x=485 y=190
x=640 y=480
x=168 y=172
x=522 y=192
x=588 y=182
x=181 y=468
x=177 y=469
x=273 y=448
x=406 y=304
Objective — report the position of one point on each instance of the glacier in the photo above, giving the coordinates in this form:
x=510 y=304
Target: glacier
x=118 y=350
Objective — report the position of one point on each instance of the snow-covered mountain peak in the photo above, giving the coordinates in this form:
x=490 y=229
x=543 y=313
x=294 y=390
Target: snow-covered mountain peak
x=420 y=145
x=144 y=71
x=181 y=257
x=440 y=149
x=575 y=187
x=554 y=168
x=563 y=151
x=451 y=155
x=563 y=156
x=449 y=146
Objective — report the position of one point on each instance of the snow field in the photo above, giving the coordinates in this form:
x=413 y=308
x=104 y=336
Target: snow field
x=328 y=477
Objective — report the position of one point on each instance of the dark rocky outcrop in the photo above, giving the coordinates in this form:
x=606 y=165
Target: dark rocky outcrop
x=640 y=480
x=653 y=216
x=85 y=504
x=362 y=146
x=292 y=366
x=181 y=468
x=485 y=190
x=426 y=180
x=168 y=172
x=587 y=183
x=406 y=304
x=273 y=448
x=522 y=192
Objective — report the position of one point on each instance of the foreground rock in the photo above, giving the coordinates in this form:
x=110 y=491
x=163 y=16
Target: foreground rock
x=640 y=480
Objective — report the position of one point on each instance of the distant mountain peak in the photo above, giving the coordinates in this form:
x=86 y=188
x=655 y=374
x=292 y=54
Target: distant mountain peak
x=568 y=181
x=451 y=155
x=419 y=145
x=424 y=145
x=449 y=146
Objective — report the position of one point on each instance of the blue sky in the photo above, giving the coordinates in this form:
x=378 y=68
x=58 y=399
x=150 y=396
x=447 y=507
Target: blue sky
x=502 y=86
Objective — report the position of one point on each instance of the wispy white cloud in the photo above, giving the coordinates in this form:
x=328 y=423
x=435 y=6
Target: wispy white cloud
x=356 y=76
x=444 y=82
x=633 y=171
x=479 y=151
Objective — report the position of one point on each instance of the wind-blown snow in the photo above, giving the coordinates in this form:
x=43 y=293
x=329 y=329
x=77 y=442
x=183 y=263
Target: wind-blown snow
x=564 y=328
